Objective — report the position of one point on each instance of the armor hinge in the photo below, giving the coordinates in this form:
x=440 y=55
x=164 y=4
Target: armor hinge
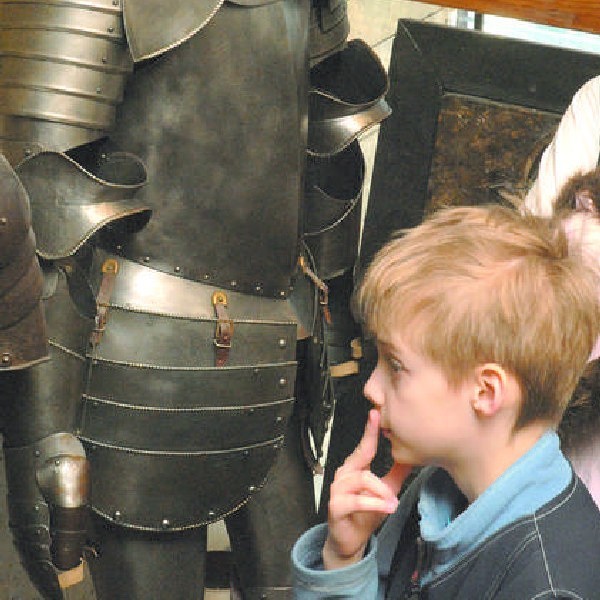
x=224 y=329
x=110 y=268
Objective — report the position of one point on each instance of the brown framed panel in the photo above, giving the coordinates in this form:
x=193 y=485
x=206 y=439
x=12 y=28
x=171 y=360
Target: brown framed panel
x=469 y=110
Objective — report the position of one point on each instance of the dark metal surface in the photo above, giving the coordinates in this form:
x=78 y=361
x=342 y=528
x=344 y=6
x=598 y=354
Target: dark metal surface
x=263 y=531
x=333 y=209
x=22 y=325
x=154 y=26
x=62 y=72
x=329 y=28
x=232 y=218
x=166 y=491
x=346 y=98
x=69 y=204
x=131 y=564
x=183 y=430
x=31 y=511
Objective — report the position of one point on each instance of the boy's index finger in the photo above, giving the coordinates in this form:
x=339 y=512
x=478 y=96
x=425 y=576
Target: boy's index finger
x=365 y=452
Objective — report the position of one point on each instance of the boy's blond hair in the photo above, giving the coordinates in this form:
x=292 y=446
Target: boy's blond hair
x=476 y=285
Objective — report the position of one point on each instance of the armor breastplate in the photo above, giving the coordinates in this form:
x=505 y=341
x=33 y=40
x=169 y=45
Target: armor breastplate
x=223 y=141
x=62 y=73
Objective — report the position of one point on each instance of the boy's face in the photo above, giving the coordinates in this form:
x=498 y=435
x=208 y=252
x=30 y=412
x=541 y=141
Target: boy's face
x=426 y=420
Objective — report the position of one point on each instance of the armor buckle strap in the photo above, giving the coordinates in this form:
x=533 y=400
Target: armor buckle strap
x=110 y=268
x=321 y=286
x=224 y=329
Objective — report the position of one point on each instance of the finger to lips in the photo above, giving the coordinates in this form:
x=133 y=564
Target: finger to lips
x=367 y=447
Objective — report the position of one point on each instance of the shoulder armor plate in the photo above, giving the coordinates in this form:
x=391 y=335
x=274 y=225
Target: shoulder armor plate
x=69 y=204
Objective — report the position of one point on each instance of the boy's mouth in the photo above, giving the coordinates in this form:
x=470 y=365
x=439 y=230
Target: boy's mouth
x=385 y=432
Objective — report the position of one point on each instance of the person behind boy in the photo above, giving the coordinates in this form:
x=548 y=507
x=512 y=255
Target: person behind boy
x=484 y=320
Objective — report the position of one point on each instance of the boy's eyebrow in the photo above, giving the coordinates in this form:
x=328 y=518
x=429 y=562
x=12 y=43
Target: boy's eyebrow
x=389 y=348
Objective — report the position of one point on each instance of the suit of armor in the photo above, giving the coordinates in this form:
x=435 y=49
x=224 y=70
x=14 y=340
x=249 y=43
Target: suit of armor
x=169 y=225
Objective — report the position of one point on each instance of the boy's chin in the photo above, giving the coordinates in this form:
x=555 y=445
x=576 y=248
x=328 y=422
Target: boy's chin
x=404 y=456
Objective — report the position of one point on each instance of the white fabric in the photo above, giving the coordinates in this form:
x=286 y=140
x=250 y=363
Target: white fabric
x=574 y=149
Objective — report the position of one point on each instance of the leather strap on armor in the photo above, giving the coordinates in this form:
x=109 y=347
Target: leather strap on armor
x=110 y=268
x=224 y=330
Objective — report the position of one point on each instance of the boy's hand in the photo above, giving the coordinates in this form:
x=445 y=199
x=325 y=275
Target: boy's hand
x=359 y=500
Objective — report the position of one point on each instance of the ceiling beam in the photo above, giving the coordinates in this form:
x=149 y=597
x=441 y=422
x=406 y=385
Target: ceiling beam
x=570 y=14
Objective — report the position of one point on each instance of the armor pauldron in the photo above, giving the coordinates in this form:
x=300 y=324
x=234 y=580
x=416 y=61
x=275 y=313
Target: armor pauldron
x=69 y=204
x=153 y=26
x=62 y=73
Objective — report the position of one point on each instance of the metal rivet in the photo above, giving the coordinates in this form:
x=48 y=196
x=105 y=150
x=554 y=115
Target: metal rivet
x=252 y=488
x=115 y=2
x=282 y=343
x=283 y=381
x=246 y=452
x=279 y=419
x=146 y=259
x=6 y=358
x=206 y=277
x=104 y=59
x=117 y=515
x=165 y=523
x=3 y=220
x=234 y=283
x=282 y=293
x=177 y=269
x=258 y=287
x=36 y=508
x=111 y=29
x=255 y=371
x=57 y=462
x=98 y=90
x=36 y=453
x=211 y=514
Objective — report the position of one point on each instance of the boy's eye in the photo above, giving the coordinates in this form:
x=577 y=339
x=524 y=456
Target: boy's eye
x=395 y=365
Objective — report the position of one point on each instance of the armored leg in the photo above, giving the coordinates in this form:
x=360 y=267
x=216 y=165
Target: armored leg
x=264 y=530
x=46 y=467
x=128 y=564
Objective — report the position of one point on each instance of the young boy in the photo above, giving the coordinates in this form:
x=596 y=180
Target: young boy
x=484 y=321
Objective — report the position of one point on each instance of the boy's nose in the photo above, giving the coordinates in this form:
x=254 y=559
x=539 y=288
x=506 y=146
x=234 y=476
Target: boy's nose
x=372 y=390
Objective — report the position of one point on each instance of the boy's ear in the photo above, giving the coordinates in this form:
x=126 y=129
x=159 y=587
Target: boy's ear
x=491 y=389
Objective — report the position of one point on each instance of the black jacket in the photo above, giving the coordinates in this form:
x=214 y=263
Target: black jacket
x=534 y=558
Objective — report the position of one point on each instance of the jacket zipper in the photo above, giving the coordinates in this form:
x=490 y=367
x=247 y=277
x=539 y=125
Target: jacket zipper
x=415 y=586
